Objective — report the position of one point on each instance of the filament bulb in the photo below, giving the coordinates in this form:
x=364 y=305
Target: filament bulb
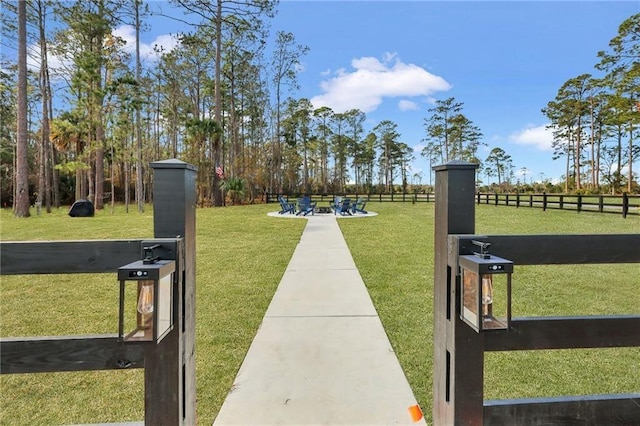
x=145 y=299
x=487 y=294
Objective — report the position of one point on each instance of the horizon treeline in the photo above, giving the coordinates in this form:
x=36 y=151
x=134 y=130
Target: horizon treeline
x=81 y=117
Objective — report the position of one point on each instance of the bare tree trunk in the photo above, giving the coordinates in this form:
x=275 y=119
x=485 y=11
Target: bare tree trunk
x=113 y=183
x=597 y=158
x=55 y=178
x=217 y=143
x=127 y=177
x=630 y=174
x=49 y=173
x=45 y=183
x=567 y=167
x=139 y=169
x=594 y=183
x=99 y=140
x=90 y=181
x=21 y=201
x=99 y=179
x=578 y=154
x=41 y=168
x=618 y=179
x=43 y=165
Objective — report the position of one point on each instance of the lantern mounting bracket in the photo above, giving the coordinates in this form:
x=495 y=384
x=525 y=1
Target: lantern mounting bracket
x=484 y=249
x=149 y=258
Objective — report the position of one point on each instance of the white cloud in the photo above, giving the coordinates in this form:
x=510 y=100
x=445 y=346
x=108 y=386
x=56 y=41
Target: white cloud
x=417 y=148
x=431 y=100
x=371 y=81
x=406 y=105
x=538 y=136
x=165 y=42
x=54 y=63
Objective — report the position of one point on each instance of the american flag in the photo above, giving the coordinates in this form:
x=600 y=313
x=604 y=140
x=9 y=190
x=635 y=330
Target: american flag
x=219 y=171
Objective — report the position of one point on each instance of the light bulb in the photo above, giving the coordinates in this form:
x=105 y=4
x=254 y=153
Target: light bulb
x=145 y=304
x=487 y=294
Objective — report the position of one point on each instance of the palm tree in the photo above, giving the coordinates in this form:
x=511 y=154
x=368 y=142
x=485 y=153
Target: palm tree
x=235 y=188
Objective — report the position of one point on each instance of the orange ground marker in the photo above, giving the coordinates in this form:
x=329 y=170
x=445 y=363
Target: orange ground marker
x=416 y=413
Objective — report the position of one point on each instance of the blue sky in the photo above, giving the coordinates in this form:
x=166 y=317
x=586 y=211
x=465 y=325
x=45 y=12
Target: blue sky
x=504 y=60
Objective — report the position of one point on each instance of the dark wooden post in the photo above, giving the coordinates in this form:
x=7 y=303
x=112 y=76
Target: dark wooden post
x=600 y=203
x=458 y=350
x=170 y=370
x=579 y=204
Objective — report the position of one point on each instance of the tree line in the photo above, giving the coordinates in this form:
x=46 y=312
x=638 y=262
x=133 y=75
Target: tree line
x=595 y=119
x=224 y=101
x=594 y=122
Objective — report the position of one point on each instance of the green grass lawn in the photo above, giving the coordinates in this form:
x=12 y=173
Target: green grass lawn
x=241 y=256
x=394 y=253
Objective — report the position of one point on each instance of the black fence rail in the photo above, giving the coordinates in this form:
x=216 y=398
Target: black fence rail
x=459 y=350
x=169 y=365
x=624 y=204
x=559 y=332
x=405 y=197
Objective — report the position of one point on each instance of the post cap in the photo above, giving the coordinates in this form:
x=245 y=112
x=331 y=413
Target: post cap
x=456 y=165
x=172 y=164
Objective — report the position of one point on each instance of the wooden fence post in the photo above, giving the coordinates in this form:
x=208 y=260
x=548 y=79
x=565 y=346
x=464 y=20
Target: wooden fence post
x=579 y=205
x=458 y=350
x=600 y=203
x=170 y=374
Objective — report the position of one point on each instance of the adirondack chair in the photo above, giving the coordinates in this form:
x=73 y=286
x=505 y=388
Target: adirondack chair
x=286 y=206
x=344 y=208
x=358 y=206
x=336 y=203
x=306 y=206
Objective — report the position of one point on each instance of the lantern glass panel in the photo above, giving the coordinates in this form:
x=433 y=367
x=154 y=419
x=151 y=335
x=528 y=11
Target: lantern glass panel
x=146 y=305
x=486 y=292
x=494 y=305
x=128 y=311
x=165 y=307
x=138 y=311
x=470 y=297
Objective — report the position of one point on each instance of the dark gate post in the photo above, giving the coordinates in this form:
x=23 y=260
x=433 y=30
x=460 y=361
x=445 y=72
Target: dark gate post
x=170 y=370
x=458 y=350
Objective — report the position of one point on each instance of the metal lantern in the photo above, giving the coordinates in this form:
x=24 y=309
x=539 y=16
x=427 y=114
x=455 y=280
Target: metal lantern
x=485 y=296
x=146 y=307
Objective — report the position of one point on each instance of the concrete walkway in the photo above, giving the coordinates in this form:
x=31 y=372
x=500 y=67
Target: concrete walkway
x=321 y=355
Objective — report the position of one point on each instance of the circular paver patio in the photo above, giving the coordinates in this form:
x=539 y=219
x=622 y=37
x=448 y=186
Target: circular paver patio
x=321 y=215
